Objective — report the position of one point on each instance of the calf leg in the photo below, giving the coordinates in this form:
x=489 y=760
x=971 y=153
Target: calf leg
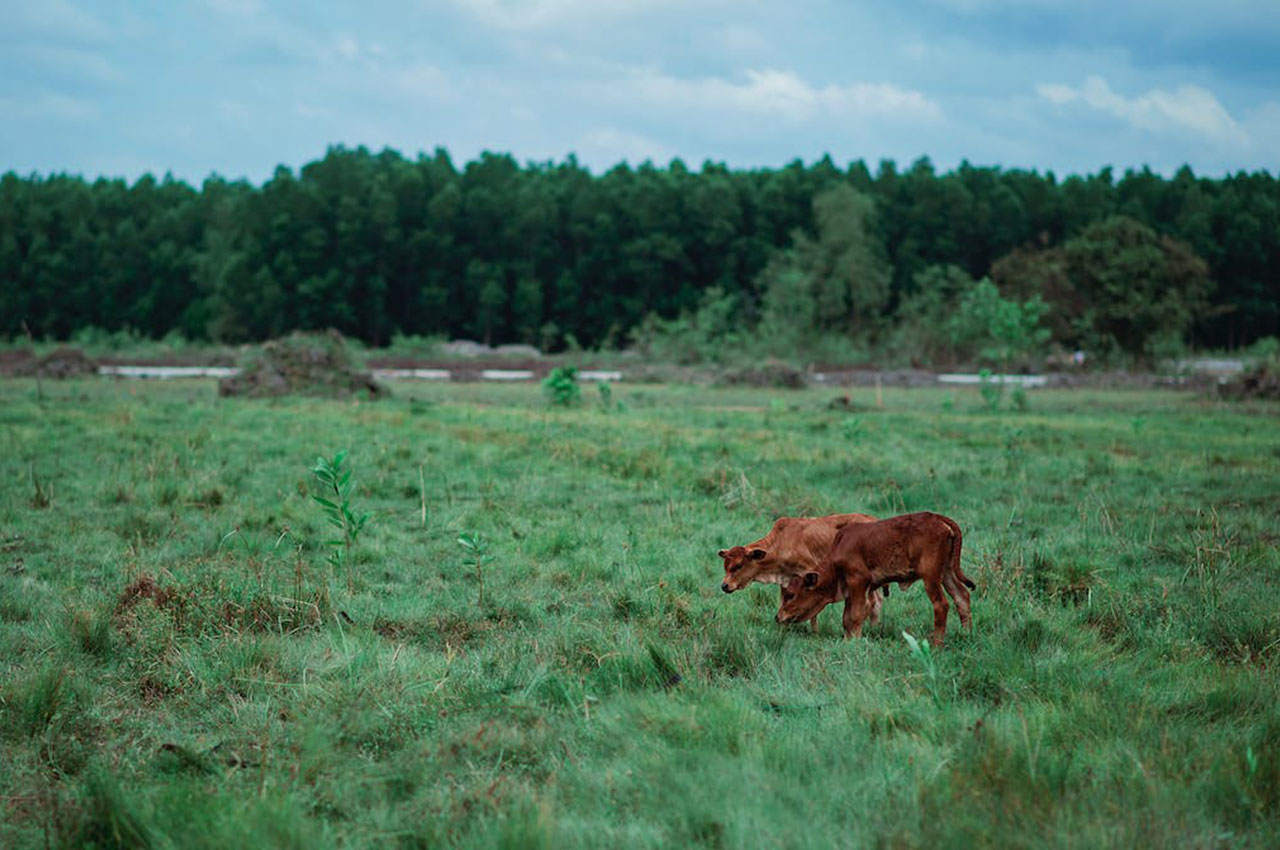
x=876 y=602
x=959 y=594
x=856 y=607
x=934 y=589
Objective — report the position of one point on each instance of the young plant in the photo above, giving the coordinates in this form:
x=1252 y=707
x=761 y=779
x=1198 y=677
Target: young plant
x=606 y=394
x=923 y=654
x=41 y=492
x=477 y=556
x=561 y=386
x=335 y=481
x=991 y=389
x=1019 y=398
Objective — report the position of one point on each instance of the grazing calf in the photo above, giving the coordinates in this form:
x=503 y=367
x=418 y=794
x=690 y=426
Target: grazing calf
x=921 y=546
x=794 y=546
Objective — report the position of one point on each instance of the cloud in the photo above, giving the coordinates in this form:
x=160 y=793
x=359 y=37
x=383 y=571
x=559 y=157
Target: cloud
x=1187 y=107
x=610 y=145
x=785 y=95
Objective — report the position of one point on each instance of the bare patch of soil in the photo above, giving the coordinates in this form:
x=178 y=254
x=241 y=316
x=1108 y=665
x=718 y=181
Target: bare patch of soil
x=58 y=364
x=771 y=373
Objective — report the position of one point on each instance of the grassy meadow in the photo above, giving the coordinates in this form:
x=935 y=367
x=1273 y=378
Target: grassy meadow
x=181 y=667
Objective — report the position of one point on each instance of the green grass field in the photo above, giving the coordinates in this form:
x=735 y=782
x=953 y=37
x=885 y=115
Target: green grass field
x=1118 y=689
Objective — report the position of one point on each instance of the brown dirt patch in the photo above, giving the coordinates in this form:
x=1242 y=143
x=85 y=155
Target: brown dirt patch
x=771 y=373
x=57 y=364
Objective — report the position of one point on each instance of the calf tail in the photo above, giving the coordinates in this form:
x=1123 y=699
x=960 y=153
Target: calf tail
x=956 y=542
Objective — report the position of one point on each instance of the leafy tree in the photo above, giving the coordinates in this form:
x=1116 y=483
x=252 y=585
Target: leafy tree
x=837 y=282
x=921 y=330
x=526 y=306
x=1001 y=330
x=486 y=281
x=1139 y=286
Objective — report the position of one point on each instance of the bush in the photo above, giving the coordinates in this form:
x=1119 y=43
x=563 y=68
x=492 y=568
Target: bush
x=561 y=386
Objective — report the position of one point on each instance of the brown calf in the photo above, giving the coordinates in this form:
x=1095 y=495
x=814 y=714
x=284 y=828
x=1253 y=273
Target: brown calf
x=865 y=556
x=794 y=546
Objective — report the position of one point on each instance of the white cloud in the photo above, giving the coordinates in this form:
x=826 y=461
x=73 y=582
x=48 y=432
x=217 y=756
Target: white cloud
x=1187 y=107
x=610 y=145
x=785 y=95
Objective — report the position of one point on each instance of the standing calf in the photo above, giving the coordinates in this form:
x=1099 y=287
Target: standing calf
x=866 y=556
x=794 y=546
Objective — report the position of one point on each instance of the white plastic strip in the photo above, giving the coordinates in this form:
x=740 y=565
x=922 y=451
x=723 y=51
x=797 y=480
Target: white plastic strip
x=1024 y=380
x=420 y=374
x=507 y=374
x=166 y=372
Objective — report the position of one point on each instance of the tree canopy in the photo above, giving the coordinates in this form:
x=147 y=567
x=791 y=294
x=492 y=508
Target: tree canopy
x=375 y=244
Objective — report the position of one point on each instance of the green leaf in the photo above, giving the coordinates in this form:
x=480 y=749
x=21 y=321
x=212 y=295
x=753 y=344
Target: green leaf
x=328 y=504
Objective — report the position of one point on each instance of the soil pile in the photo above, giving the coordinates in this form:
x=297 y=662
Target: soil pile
x=771 y=373
x=59 y=363
x=1260 y=382
x=316 y=364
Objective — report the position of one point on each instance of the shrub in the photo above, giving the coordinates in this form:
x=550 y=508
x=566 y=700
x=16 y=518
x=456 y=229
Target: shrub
x=561 y=386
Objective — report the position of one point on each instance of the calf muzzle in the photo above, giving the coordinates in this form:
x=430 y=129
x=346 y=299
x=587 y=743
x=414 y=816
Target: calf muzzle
x=726 y=588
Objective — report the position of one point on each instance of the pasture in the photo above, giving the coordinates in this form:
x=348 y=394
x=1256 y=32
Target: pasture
x=181 y=667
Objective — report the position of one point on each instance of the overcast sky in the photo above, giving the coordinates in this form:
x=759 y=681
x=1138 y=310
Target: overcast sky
x=239 y=86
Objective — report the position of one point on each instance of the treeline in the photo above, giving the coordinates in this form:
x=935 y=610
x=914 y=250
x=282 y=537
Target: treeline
x=375 y=244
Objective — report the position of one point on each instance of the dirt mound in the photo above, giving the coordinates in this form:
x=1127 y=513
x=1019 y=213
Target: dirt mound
x=316 y=364
x=771 y=373
x=59 y=363
x=1260 y=382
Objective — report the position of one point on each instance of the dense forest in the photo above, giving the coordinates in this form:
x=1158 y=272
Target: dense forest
x=375 y=244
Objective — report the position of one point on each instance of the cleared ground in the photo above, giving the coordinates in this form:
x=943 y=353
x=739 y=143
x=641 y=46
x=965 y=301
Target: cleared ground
x=179 y=666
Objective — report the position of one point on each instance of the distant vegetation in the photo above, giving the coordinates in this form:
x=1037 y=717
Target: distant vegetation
x=809 y=261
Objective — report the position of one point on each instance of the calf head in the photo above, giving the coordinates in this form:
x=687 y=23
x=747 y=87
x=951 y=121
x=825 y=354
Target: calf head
x=743 y=566
x=804 y=596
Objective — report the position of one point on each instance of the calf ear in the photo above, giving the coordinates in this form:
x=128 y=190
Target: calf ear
x=810 y=579
x=722 y=553
x=758 y=554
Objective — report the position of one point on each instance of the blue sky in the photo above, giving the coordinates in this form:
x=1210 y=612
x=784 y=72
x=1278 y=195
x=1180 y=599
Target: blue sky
x=239 y=86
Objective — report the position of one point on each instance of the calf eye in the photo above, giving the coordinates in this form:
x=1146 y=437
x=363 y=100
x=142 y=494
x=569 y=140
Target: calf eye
x=733 y=568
